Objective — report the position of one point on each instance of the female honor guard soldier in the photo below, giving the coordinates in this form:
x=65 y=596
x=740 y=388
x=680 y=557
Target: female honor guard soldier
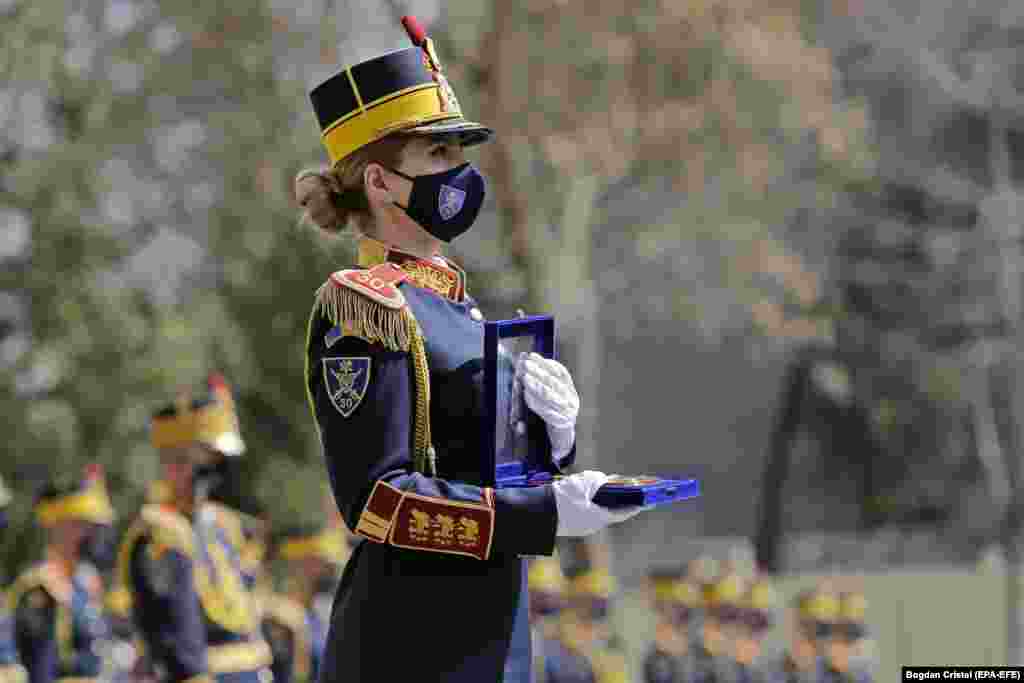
x=59 y=625
x=182 y=559
x=312 y=557
x=394 y=366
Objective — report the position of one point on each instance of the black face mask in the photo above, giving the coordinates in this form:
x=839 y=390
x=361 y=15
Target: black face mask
x=99 y=548
x=445 y=204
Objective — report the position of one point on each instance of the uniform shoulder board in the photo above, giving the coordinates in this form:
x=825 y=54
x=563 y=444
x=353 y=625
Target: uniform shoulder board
x=36 y=583
x=368 y=304
x=168 y=530
x=379 y=283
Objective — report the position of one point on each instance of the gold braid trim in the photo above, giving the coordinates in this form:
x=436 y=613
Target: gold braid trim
x=423 y=450
x=396 y=329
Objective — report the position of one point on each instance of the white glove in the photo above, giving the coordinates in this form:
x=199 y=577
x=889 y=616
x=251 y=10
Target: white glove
x=549 y=392
x=578 y=515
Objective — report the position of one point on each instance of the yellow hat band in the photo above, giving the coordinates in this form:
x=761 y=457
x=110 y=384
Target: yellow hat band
x=173 y=431
x=680 y=592
x=415 y=106
x=90 y=506
x=215 y=424
x=822 y=608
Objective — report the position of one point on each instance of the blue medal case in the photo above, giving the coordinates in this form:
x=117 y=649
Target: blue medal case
x=517 y=451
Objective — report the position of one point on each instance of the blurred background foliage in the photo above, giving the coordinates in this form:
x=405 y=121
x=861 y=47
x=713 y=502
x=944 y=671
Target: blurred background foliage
x=775 y=231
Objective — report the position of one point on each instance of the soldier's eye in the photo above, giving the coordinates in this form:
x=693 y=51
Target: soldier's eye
x=439 y=151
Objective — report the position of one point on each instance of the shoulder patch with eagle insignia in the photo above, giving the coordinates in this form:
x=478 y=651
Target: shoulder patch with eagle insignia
x=347 y=379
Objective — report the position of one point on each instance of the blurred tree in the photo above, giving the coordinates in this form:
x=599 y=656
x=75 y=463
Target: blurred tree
x=138 y=136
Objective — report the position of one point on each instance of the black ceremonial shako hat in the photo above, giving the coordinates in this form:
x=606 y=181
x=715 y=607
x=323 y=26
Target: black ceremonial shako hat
x=403 y=91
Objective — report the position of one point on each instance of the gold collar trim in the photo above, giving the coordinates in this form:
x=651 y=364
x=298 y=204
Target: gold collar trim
x=447 y=280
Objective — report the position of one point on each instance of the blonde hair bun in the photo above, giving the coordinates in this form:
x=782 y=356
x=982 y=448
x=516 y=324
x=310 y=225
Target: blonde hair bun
x=317 y=192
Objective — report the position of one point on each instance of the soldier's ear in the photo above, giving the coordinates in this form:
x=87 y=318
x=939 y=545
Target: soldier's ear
x=376 y=185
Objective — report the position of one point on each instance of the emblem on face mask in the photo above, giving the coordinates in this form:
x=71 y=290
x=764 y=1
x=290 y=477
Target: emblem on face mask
x=347 y=379
x=449 y=201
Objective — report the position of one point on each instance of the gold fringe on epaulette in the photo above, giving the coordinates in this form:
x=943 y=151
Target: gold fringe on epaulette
x=363 y=317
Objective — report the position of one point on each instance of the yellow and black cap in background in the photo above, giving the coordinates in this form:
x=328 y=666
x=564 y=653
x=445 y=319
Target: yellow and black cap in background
x=403 y=91
x=851 y=619
x=590 y=593
x=84 y=500
x=210 y=420
x=674 y=595
x=723 y=597
x=758 y=606
x=548 y=586
x=818 y=611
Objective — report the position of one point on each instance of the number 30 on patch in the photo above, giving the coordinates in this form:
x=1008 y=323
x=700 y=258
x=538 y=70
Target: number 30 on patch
x=346 y=379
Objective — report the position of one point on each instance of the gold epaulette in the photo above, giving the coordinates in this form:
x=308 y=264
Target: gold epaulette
x=168 y=530
x=43 y=575
x=368 y=304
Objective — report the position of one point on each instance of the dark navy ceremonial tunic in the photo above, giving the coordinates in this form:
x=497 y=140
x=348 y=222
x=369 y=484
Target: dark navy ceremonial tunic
x=191 y=603
x=422 y=611
x=59 y=626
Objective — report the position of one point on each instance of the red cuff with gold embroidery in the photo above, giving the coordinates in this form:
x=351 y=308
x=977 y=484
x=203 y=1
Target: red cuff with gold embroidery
x=410 y=520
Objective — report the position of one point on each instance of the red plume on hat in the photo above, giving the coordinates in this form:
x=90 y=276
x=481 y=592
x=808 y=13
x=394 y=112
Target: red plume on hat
x=416 y=33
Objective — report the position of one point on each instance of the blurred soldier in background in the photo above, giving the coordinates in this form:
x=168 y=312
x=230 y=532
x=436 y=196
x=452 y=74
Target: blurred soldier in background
x=841 y=662
x=675 y=600
x=124 y=653
x=799 y=663
x=547 y=587
x=756 y=618
x=312 y=557
x=58 y=613
x=10 y=670
x=324 y=598
x=589 y=649
x=711 y=655
x=181 y=559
